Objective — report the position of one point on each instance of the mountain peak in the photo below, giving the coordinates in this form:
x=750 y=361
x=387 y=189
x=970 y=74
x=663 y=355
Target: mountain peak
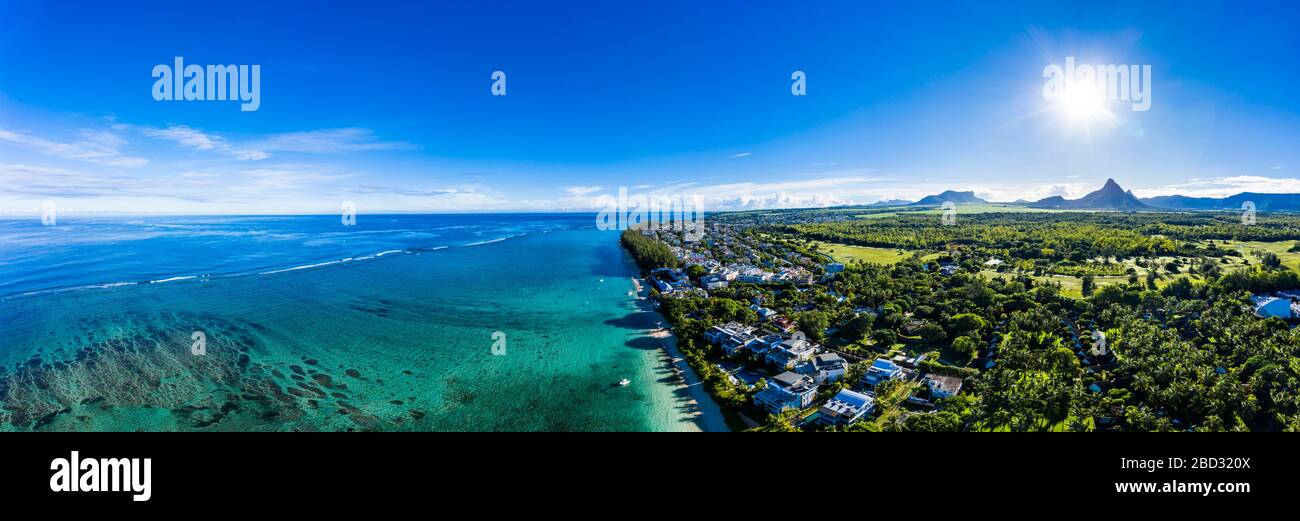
x=1111 y=187
x=1109 y=197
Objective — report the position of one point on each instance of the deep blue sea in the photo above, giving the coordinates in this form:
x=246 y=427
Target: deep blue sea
x=401 y=322
x=81 y=253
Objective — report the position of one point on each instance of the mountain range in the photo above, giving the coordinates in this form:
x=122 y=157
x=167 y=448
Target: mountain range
x=1112 y=197
x=1109 y=197
x=950 y=196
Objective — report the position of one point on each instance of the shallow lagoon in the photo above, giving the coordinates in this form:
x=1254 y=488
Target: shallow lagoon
x=399 y=342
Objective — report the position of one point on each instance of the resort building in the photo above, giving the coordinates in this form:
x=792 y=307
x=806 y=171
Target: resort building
x=760 y=348
x=846 y=408
x=942 y=386
x=713 y=282
x=790 y=353
x=763 y=313
x=784 y=324
x=754 y=275
x=732 y=337
x=786 y=391
x=825 y=368
x=880 y=371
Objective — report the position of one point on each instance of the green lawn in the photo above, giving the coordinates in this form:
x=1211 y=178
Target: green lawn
x=847 y=253
x=1289 y=259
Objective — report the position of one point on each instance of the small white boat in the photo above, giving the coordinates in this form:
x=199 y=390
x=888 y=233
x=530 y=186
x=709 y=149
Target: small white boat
x=624 y=382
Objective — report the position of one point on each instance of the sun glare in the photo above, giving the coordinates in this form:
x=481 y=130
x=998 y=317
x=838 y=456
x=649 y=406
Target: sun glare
x=1084 y=106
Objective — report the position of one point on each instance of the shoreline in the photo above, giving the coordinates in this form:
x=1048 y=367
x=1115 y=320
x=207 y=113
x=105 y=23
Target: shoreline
x=707 y=415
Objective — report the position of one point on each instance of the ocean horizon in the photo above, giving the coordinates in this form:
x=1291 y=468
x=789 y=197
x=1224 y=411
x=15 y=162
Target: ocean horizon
x=400 y=322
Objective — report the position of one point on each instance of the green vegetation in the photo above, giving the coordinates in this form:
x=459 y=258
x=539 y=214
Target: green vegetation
x=1066 y=321
x=648 y=252
x=847 y=253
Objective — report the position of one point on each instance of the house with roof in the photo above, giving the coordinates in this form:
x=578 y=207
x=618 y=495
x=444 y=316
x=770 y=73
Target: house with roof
x=881 y=370
x=737 y=346
x=786 y=391
x=790 y=353
x=763 y=313
x=732 y=337
x=824 y=368
x=942 y=386
x=846 y=408
x=717 y=334
x=662 y=286
x=784 y=324
x=765 y=343
x=754 y=275
x=712 y=282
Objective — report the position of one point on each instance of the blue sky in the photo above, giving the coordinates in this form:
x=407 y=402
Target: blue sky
x=389 y=104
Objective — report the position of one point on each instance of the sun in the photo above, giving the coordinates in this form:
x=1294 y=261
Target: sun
x=1083 y=105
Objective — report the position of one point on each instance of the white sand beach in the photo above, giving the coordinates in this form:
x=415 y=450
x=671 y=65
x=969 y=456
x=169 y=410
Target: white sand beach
x=707 y=413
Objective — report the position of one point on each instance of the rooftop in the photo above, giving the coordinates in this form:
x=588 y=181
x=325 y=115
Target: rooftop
x=793 y=382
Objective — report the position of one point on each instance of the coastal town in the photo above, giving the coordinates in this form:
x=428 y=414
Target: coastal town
x=786 y=336
x=790 y=377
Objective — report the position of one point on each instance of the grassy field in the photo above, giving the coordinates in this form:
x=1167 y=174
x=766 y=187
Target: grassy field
x=1248 y=249
x=1073 y=286
x=847 y=253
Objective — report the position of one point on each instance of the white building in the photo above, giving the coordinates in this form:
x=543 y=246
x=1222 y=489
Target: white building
x=942 y=386
x=846 y=408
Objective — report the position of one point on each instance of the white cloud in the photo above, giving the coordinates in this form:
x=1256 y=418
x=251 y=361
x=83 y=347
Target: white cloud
x=328 y=141
x=1225 y=186
x=198 y=140
x=740 y=155
x=579 y=191
x=97 y=147
x=1004 y=193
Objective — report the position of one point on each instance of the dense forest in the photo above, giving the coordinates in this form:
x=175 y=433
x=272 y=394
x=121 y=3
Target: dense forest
x=647 y=252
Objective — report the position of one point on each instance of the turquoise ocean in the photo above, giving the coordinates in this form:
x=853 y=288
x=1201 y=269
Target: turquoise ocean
x=401 y=322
